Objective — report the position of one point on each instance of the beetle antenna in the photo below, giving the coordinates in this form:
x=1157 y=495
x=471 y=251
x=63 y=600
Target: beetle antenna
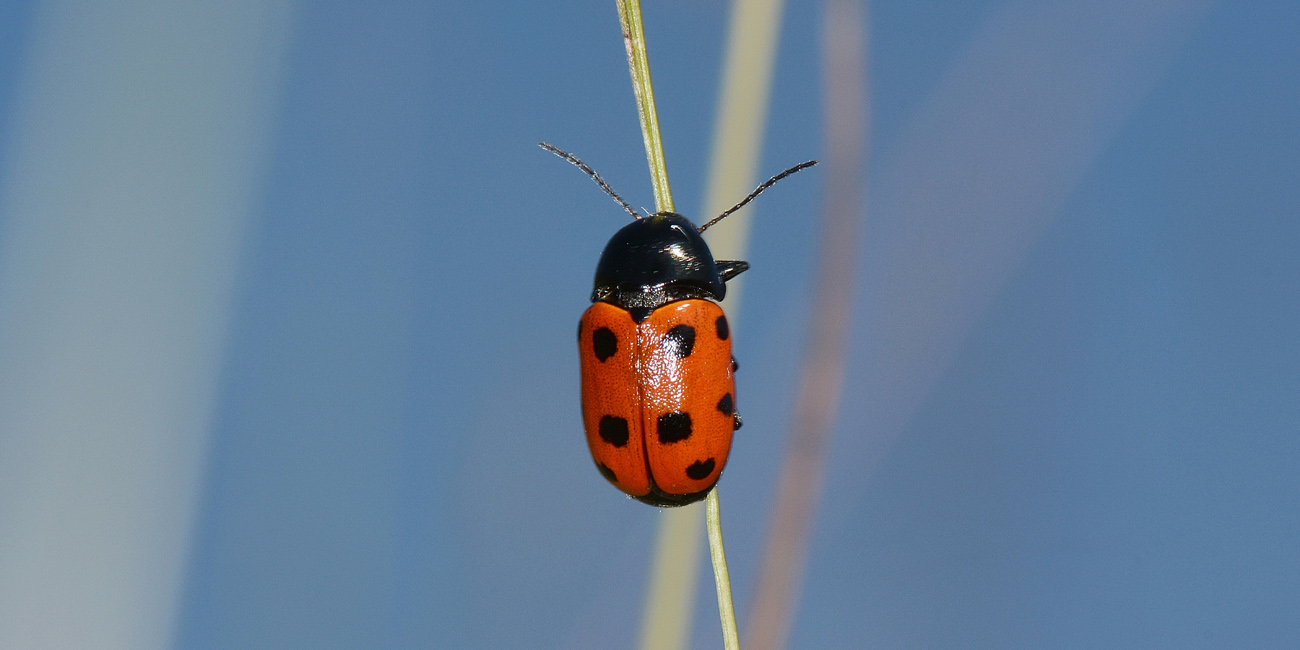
x=594 y=176
x=752 y=195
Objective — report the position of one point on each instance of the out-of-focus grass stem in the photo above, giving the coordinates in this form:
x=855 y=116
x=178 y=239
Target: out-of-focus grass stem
x=802 y=474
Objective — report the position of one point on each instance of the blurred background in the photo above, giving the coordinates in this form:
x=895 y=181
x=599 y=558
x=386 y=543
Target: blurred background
x=287 y=298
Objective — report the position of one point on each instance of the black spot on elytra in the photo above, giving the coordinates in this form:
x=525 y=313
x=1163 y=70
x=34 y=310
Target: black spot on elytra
x=680 y=340
x=674 y=427
x=726 y=405
x=604 y=343
x=700 y=469
x=639 y=314
x=613 y=430
x=607 y=473
x=736 y=423
x=734 y=365
x=723 y=330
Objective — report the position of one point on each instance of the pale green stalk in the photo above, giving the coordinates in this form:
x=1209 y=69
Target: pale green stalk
x=665 y=623
x=638 y=63
x=721 y=578
x=799 y=483
x=742 y=112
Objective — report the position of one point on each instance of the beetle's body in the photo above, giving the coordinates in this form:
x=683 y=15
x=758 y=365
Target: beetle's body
x=658 y=378
x=658 y=385
x=658 y=423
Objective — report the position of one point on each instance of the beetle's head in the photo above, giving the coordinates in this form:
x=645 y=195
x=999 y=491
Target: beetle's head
x=656 y=260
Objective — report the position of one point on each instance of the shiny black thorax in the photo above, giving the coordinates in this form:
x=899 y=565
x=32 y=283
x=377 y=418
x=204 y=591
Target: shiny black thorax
x=657 y=260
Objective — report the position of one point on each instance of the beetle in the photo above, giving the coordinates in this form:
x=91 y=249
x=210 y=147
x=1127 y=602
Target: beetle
x=658 y=376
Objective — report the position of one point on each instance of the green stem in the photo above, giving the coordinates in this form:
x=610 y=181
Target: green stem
x=721 y=577
x=629 y=14
x=638 y=62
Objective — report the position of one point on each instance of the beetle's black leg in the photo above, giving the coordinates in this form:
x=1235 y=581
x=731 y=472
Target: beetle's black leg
x=729 y=269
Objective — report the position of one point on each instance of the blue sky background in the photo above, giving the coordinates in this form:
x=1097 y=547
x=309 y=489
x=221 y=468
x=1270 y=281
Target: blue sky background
x=1072 y=417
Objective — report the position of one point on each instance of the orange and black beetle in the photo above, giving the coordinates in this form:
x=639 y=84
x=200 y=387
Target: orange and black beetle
x=658 y=377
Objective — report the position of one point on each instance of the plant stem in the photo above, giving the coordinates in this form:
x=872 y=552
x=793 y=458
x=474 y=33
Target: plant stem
x=721 y=578
x=638 y=63
x=799 y=486
x=666 y=619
